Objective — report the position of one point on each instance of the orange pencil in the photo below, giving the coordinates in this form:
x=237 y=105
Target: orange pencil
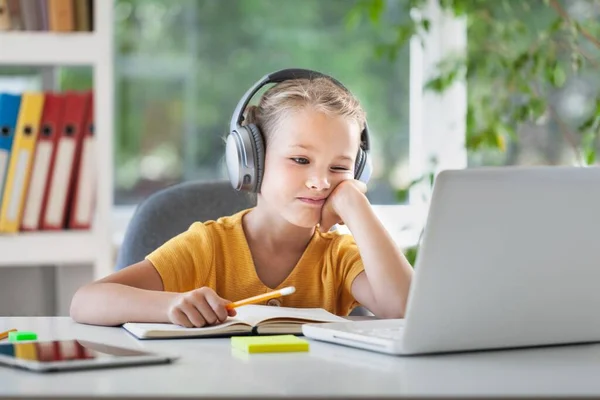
x=4 y=335
x=262 y=297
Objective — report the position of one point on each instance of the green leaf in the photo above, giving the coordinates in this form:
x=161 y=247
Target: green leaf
x=537 y=107
x=588 y=139
x=403 y=34
x=522 y=113
x=470 y=118
x=446 y=4
x=521 y=60
x=402 y=195
x=556 y=25
x=590 y=156
x=491 y=138
x=587 y=124
x=443 y=81
x=411 y=255
x=385 y=50
x=558 y=76
x=376 y=9
x=460 y=7
x=474 y=142
x=353 y=18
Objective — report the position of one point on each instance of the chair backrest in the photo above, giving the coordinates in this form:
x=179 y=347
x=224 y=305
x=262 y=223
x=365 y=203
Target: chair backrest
x=171 y=211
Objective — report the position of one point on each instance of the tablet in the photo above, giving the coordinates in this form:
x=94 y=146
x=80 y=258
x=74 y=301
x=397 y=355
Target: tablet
x=62 y=355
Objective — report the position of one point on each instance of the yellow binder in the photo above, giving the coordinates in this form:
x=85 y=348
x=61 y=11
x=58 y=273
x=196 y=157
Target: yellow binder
x=19 y=168
x=26 y=351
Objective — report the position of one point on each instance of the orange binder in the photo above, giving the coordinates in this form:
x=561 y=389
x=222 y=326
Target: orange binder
x=21 y=159
x=61 y=15
x=66 y=159
x=82 y=208
x=41 y=170
x=4 y=16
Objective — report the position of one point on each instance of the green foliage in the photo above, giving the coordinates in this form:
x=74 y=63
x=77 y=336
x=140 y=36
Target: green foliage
x=411 y=254
x=521 y=56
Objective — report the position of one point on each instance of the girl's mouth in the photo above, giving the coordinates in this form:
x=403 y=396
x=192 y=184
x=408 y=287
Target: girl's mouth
x=311 y=201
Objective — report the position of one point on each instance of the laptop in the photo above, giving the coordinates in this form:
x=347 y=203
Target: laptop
x=510 y=257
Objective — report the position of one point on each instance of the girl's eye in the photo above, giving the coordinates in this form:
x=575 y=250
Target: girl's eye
x=340 y=169
x=300 y=160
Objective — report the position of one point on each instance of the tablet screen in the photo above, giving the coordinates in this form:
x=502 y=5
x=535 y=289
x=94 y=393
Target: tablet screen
x=64 y=350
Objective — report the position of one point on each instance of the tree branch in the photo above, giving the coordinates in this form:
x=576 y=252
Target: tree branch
x=561 y=11
x=587 y=56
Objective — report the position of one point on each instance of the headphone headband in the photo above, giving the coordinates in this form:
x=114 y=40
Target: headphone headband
x=279 y=76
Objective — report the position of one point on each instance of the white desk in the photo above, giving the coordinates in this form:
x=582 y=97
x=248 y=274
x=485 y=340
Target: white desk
x=207 y=368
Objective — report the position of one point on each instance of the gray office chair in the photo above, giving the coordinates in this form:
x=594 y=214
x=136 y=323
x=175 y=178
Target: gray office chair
x=171 y=211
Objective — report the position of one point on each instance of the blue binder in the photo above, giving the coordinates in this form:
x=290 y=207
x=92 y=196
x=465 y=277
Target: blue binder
x=9 y=111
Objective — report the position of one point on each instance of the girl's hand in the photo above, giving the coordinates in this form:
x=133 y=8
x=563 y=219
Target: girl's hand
x=339 y=201
x=199 y=307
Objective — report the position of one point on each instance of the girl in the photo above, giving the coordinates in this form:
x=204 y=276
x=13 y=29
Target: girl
x=312 y=131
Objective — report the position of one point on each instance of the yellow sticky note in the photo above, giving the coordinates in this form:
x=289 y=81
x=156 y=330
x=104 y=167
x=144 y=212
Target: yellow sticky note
x=269 y=344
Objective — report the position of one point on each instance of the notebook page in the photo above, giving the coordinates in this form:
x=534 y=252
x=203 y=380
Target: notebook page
x=146 y=330
x=253 y=314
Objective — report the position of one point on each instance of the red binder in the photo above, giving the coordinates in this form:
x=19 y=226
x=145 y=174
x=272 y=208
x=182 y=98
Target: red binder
x=81 y=212
x=50 y=124
x=66 y=160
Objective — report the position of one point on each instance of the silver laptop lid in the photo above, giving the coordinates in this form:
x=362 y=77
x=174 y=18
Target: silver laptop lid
x=510 y=257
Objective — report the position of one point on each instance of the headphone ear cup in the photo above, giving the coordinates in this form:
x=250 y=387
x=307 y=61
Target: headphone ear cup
x=259 y=151
x=362 y=167
x=233 y=152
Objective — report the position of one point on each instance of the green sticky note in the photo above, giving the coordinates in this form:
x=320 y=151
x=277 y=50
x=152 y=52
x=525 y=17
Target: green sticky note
x=21 y=336
x=269 y=344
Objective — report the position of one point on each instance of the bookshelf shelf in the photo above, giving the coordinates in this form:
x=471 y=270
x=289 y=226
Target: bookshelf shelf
x=48 y=248
x=47 y=48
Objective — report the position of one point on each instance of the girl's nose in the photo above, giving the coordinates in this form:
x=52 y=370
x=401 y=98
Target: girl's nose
x=318 y=182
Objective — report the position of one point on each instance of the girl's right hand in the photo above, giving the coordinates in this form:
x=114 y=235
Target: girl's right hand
x=199 y=307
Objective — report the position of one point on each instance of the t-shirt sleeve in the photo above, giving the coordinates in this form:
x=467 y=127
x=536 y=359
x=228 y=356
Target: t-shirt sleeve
x=349 y=266
x=183 y=261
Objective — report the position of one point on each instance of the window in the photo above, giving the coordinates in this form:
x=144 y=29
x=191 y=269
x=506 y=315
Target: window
x=181 y=66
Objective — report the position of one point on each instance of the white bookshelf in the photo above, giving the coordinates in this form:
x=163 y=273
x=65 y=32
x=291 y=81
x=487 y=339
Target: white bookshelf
x=48 y=248
x=45 y=48
x=94 y=49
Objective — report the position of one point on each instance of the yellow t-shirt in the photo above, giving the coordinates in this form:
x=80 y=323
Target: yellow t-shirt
x=216 y=254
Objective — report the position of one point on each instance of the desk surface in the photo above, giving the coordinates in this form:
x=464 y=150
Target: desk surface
x=208 y=368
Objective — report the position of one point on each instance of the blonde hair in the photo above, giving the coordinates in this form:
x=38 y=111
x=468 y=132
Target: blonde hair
x=320 y=94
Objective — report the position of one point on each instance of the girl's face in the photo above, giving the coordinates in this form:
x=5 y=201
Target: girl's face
x=306 y=158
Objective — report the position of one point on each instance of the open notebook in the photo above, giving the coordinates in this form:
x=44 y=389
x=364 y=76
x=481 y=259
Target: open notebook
x=250 y=319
